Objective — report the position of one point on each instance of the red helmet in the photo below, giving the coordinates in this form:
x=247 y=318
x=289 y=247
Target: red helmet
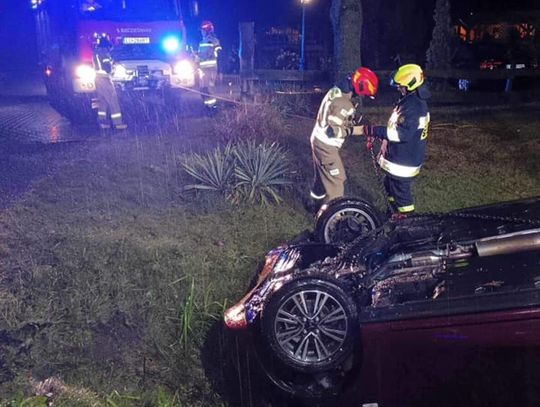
x=207 y=26
x=365 y=82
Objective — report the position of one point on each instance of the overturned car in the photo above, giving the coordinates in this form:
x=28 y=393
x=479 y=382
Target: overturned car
x=449 y=283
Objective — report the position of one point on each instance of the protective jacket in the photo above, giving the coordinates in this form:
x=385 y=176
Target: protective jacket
x=407 y=133
x=334 y=119
x=102 y=61
x=209 y=49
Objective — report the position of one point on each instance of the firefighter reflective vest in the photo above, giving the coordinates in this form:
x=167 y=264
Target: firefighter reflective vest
x=209 y=49
x=334 y=118
x=407 y=133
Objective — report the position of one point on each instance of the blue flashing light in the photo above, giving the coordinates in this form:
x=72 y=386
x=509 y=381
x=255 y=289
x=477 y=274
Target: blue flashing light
x=171 y=44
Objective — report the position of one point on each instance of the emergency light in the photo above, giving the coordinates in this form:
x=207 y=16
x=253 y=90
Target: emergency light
x=171 y=44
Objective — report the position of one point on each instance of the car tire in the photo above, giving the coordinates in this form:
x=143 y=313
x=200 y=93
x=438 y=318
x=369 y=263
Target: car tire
x=345 y=219
x=311 y=325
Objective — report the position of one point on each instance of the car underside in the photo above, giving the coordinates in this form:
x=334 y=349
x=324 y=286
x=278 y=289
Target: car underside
x=312 y=299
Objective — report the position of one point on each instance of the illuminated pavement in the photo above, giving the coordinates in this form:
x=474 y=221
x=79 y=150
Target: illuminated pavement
x=30 y=136
x=27 y=118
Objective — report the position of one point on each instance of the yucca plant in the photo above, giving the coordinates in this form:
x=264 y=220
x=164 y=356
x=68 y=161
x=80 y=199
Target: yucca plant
x=214 y=170
x=260 y=172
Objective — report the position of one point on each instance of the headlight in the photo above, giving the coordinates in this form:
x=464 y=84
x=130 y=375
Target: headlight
x=286 y=260
x=184 y=69
x=171 y=44
x=85 y=73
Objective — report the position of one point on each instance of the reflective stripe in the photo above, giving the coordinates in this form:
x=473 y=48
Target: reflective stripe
x=335 y=120
x=209 y=63
x=346 y=113
x=408 y=208
x=423 y=121
x=315 y=196
x=392 y=134
x=397 y=169
x=319 y=133
x=391 y=129
x=116 y=115
x=210 y=101
x=391 y=199
x=102 y=113
x=334 y=172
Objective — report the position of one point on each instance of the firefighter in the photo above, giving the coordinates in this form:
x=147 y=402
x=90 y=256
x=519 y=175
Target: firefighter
x=335 y=121
x=209 y=49
x=107 y=99
x=404 y=138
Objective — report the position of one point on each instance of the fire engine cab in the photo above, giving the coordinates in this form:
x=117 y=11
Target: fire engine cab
x=149 y=48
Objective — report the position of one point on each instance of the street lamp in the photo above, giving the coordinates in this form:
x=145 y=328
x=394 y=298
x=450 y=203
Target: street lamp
x=302 y=60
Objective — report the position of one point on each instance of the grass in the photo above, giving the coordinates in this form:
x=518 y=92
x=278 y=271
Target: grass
x=114 y=278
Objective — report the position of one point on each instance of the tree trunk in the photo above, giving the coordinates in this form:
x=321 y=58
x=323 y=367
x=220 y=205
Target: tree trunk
x=346 y=17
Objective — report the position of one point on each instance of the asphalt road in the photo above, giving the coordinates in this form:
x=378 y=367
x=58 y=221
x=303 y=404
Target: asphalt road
x=26 y=117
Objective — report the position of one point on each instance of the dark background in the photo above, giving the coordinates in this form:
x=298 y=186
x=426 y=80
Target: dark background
x=402 y=26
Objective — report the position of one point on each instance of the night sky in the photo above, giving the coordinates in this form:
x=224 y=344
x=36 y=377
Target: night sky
x=16 y=24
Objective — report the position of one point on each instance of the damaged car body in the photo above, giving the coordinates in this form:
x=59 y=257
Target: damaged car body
x=315 y=306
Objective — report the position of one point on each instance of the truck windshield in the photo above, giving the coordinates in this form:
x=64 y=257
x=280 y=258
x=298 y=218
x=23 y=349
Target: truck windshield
x=119 y=10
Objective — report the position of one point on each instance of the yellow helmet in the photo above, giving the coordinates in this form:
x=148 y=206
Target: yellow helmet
x=410 y=76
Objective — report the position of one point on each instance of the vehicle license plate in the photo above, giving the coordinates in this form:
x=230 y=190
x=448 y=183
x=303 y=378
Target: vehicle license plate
x=136 y=40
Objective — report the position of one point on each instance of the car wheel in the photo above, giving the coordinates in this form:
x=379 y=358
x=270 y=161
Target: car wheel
x=344 y=220
x=310 y=325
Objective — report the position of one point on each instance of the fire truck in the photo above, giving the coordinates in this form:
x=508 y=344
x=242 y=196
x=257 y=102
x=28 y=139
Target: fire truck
x=150 y=51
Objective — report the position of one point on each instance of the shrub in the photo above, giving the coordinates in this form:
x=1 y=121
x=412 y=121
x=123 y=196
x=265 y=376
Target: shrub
x=261 y=169
x=242 y=172
x=214 y=170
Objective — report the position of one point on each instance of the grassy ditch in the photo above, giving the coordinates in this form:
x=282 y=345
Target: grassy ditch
x=113 y=277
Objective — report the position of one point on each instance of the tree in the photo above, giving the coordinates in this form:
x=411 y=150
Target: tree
x=439 y=54
x=346 y=17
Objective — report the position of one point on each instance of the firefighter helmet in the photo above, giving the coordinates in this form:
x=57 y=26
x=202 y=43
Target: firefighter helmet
x=409 y=76
x=207 y=27
x=364 y=82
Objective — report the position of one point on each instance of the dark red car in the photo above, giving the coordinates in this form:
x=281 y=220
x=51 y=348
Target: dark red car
x=434 y=310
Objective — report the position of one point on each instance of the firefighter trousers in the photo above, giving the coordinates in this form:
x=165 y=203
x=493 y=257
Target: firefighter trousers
x=399 y=191
x=208 y=84
x=329 y=172
x=108 y=105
